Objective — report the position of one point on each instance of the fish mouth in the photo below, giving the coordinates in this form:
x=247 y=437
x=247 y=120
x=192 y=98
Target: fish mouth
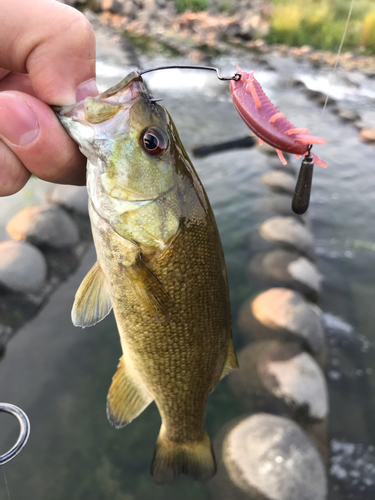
x=91 y=109
x=129 y=88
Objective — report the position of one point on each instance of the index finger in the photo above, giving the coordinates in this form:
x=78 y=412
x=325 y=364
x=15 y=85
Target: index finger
x=53 y=43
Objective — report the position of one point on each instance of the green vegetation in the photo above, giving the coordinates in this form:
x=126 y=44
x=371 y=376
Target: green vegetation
x=321 y=23
x=195 y=5
x=148 y=45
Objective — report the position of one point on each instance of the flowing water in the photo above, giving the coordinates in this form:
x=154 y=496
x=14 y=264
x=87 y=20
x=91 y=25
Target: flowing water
x=60 y=374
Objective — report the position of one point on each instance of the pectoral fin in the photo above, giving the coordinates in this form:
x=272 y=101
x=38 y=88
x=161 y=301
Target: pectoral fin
x=126 y=398
x=92 y=301
x=231 y=361
x=149 y=290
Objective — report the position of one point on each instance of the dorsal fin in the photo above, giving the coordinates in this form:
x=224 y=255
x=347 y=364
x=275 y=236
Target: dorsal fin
x=126 y=398
x=92 y=301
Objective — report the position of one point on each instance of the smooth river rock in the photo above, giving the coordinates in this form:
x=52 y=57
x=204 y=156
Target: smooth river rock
x=279 y=377
x=282 y=314
x=300 y=381
x=367 y=134
x=46 y=225
x=271 y=152
x=348 y=115
x=266 y=457
x=286 y=268
x=282 y=205
x=23 y=268
x=275 y=164
x=289 y=232
x=74 y=198
x=278 y=180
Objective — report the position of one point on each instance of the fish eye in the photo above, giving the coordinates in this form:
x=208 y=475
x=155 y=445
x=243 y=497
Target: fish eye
x=154 y=141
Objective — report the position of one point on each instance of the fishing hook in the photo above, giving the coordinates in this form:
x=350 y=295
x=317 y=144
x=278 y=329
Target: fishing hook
x=236 y=76
x=24 y=431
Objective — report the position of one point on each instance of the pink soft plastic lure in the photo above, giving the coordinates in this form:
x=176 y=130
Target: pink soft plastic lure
x=266 y=121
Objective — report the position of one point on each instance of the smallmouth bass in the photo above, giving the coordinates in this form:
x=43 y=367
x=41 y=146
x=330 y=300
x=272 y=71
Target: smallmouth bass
x=160 y=266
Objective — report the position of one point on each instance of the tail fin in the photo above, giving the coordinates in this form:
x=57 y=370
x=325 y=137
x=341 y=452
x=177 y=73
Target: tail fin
x=171 y=459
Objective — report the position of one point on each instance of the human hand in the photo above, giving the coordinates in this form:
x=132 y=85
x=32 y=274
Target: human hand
x=47 y=56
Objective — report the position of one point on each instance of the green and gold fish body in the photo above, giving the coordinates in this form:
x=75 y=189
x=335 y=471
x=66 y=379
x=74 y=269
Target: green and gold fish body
x=160 y=266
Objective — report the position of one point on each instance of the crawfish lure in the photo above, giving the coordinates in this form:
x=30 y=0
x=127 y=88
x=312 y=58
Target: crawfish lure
x=271 y=126
x=266 y=121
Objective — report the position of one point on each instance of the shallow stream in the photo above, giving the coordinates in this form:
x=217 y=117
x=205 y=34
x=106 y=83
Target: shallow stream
x=60 y=375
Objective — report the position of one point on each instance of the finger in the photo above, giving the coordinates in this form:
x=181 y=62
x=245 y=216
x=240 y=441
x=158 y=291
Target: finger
x=32 y=131
x=54 y=44
x=13 y=174
x=17 y=81
x=3 y=72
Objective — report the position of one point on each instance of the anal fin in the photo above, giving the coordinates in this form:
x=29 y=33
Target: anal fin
x=231 y=360
x=92 y=302
x=126 y=399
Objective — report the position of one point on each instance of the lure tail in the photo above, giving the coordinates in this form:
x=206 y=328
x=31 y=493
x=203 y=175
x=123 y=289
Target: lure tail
x=171 y=459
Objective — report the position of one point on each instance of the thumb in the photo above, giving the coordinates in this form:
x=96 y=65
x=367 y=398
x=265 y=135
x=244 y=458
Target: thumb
x=54 y=44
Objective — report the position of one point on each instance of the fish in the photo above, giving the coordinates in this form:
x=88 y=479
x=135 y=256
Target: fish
x=160 y=267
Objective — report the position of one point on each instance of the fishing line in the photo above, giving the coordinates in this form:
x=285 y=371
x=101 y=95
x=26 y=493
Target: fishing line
x=6 y=483
x=302 y=192
x=338 y=55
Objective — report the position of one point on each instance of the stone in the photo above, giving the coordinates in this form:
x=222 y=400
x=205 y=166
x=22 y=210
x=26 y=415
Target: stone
x=278 y=180
x=279 y=377
x=269 y=150
x=113 y=6
x=281 y=313
x=299 y=381
x=270 y=458
x=23 y=268
x=348 y=115
x=318 y=97
x=367 y=134
x=74 y=198
x=231 y=30
x=288 y=269
x=46 y=225
x=303 y=271
x=289 y=232
x=359 y=124
x=247 y=31
x=368 y=117
x=275 y=164
x=282 y=204
x=129 y=9
x=197 y=56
